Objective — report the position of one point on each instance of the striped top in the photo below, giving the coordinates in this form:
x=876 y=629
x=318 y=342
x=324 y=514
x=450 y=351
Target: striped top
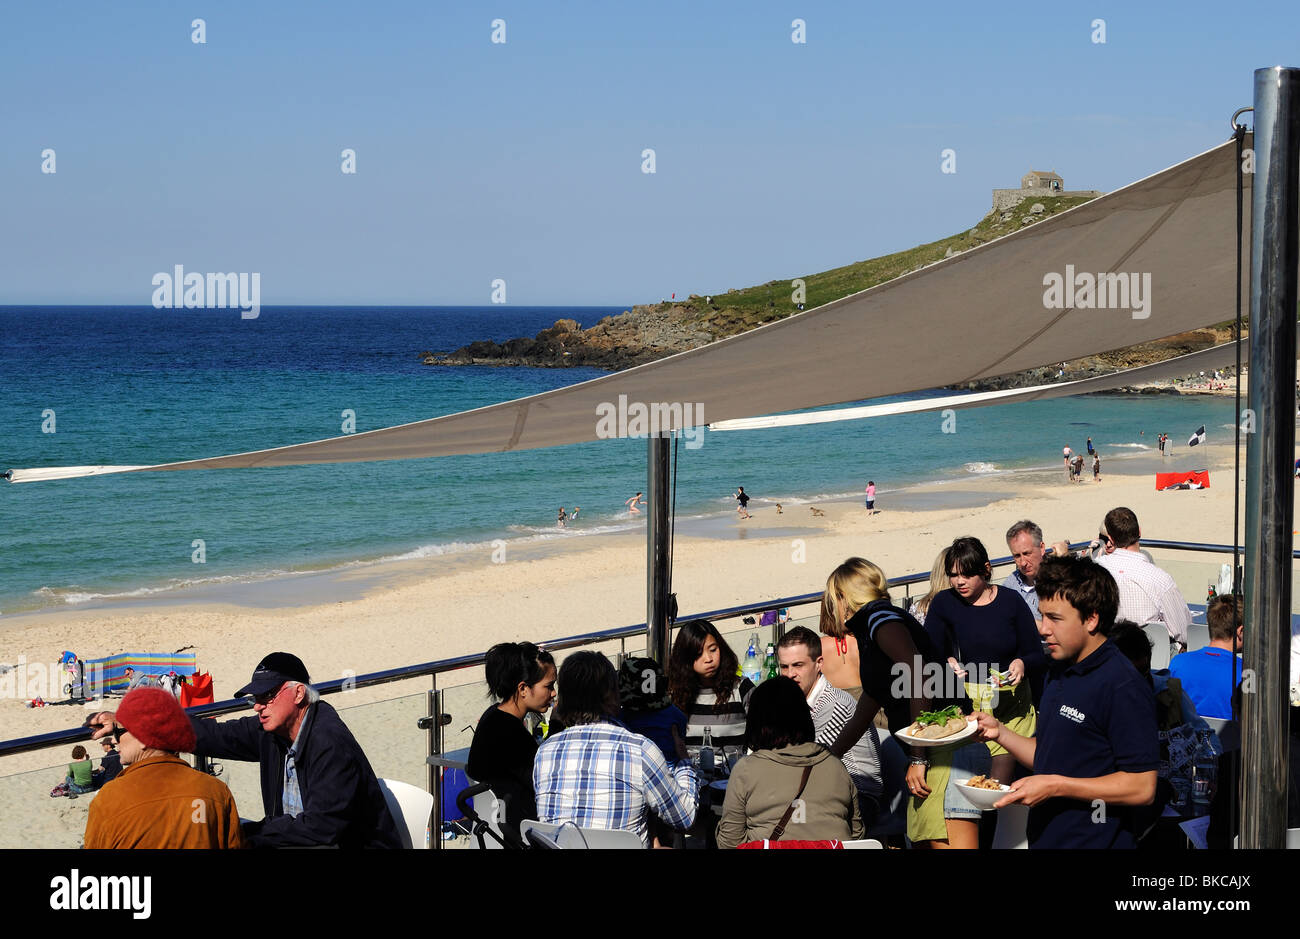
x=832 y=709
x=727 y=727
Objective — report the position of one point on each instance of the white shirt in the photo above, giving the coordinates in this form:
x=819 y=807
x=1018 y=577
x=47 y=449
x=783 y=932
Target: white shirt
x=1146 y=593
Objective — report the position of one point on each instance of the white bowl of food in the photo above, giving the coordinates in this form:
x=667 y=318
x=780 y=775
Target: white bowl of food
x=982 y=791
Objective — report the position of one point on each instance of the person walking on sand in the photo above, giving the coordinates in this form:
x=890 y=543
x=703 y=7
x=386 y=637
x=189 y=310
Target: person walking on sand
x=871 y=497
x=633 y=502
x=1065 y=452
x=743 y=508
x=1096 y=467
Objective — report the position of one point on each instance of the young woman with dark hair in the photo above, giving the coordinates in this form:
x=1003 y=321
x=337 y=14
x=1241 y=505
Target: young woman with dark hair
x=703 y=682
x=787 y=765
x=521 y=677
x=983 y=628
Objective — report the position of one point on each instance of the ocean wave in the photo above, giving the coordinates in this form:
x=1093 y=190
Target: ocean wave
x=1131 y=446
x=76 y=594
x=981 y=468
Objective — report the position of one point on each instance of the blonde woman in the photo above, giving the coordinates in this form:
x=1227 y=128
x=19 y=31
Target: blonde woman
x=939 y=582
x=890 y=643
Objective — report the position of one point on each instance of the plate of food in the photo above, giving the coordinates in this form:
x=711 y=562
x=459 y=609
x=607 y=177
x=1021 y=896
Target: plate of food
x=938 y=729
x=983 y=791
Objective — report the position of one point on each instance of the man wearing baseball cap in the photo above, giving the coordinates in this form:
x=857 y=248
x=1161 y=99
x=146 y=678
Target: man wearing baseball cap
x=318 y=789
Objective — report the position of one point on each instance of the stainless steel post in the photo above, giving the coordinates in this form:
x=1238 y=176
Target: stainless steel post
x=435 y=699
x=1269 y=456
x=430 y=744
x=656 y=607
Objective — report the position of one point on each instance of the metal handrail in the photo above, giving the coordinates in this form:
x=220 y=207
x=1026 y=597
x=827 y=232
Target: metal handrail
x=440 y=666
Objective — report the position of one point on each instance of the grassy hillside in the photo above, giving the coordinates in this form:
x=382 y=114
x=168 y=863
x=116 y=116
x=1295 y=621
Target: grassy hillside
x=736 y=311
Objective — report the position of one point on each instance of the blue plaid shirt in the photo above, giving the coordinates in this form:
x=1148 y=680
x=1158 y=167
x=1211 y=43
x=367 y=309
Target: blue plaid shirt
x=604 y=776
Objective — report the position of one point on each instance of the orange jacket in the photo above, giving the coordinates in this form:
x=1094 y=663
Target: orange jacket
x=161 y=802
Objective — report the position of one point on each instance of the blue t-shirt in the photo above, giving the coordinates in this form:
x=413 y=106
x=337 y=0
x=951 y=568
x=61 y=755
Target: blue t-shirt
x=1098 y=717
x=1209 y=676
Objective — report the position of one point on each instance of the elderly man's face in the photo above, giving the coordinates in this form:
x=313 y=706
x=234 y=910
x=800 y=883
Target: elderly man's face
x=1027 y=552
x=278 y=709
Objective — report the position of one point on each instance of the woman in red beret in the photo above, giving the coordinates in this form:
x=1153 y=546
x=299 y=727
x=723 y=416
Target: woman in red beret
x=158 y=800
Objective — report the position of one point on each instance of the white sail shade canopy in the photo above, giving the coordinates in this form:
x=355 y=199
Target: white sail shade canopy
x=983 y=313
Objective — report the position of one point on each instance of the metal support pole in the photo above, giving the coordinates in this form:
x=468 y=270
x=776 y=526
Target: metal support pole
x=430 y=740
x=656 y=606
x=1269 y=456
x=435 y=710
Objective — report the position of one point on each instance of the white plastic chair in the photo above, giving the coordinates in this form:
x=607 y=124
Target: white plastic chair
x=567 y=835
x=1292 y=840
x=1158 y=633
x=412 y=809
x=1012 y=830
x=485 y=807
x=1198 y=636
x=863 y=844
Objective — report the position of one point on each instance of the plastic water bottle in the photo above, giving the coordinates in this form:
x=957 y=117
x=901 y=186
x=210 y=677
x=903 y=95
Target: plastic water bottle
x=752 y=668
x=1205 y=768
x=770 y=668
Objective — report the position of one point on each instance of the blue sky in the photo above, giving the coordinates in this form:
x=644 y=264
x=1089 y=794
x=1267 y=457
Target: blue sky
x=522 y=160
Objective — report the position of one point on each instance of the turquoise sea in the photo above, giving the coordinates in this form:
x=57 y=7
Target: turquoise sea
x=132 y=385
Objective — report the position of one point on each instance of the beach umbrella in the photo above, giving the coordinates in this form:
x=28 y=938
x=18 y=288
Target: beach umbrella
x=1198 y=437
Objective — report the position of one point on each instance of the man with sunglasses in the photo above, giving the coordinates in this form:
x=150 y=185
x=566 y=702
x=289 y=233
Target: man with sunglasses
x=318 y=789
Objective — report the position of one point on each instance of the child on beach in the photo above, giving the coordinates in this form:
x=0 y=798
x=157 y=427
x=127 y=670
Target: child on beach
x=1096 y=467
x=80 y=778
x=871 y=497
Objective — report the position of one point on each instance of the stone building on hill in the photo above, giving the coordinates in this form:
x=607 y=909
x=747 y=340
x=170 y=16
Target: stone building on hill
x=1036 y=183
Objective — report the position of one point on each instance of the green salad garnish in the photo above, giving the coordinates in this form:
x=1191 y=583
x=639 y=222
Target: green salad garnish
x=939 y=717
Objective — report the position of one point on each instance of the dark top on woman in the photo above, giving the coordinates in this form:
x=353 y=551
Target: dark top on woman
x=887 y=635
x=502 y=756
x=991 y=635
x=658 y=727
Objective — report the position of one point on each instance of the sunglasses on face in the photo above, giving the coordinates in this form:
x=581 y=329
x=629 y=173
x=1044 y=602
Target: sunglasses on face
x=268 y=696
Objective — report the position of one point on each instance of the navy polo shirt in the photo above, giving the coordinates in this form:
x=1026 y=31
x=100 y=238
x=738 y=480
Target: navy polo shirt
x=1098 y=717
